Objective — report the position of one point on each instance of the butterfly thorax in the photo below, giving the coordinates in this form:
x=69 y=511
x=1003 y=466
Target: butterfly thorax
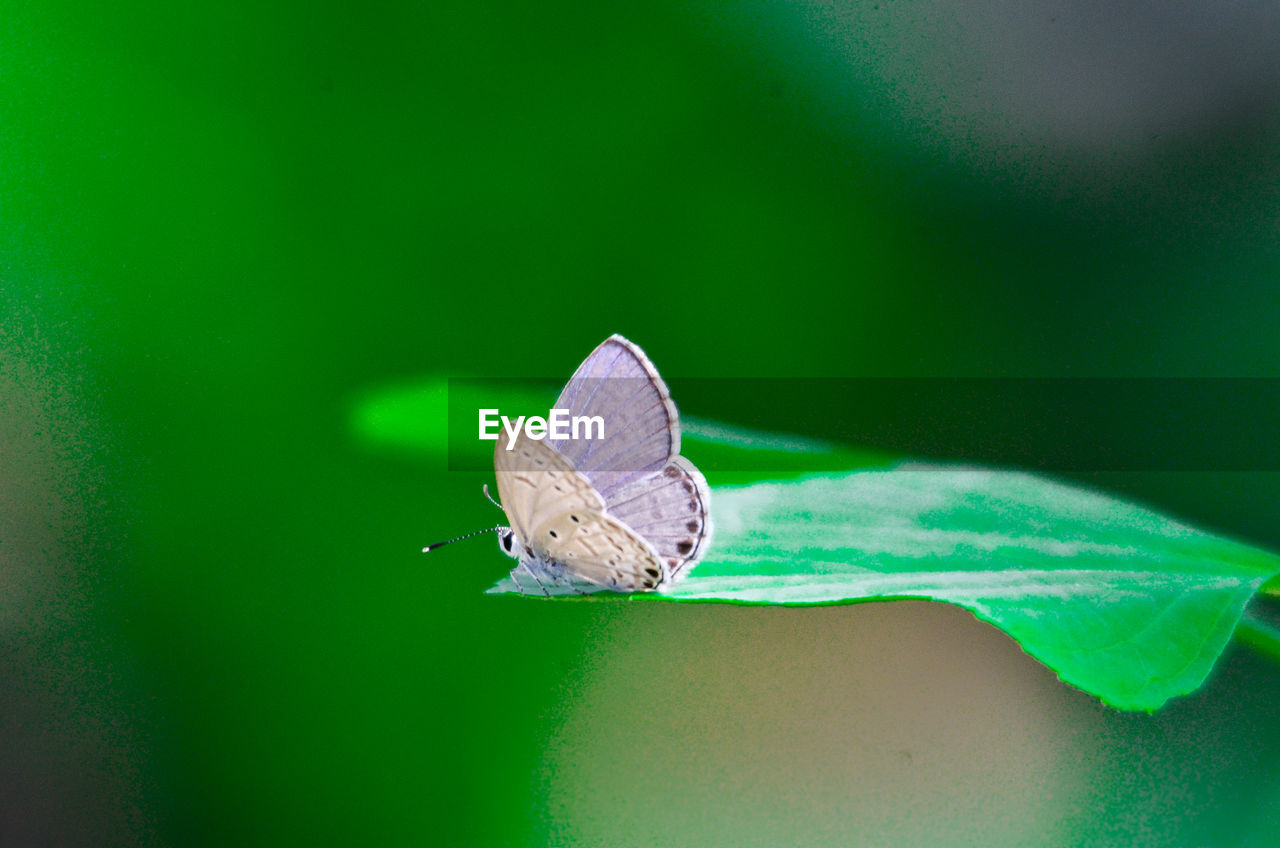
x=540 y=564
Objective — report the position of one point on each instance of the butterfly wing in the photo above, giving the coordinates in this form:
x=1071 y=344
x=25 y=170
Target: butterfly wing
x=624 y=511
x=670 y=511
x=559 y=516
x=600 y=549
x=536 y=483
x=618 y=384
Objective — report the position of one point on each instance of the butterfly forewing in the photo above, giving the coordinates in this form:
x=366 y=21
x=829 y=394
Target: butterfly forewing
x=669 y=510
x=618 y=384
x=536 y=483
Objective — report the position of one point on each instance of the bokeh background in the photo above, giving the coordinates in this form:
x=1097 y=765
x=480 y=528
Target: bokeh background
x=222 y=225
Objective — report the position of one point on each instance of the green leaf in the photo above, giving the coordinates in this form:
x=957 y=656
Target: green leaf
x=1119 y=600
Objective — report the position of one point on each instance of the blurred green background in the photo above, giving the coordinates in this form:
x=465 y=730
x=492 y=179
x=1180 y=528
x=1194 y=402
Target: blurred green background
x=222 y=225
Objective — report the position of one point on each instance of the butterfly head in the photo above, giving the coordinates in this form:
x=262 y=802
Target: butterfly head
x=510 y=545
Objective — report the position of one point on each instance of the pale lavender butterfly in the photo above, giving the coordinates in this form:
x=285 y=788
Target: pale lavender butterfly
x=624 y=511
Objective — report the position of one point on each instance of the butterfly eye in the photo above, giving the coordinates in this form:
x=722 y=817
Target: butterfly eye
x=507 y=540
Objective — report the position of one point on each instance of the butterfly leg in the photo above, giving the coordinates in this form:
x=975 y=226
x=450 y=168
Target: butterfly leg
x=535 y=578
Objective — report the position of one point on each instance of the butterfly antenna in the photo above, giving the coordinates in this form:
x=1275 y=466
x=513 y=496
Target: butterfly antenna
x=460 y=538
x=490 y=497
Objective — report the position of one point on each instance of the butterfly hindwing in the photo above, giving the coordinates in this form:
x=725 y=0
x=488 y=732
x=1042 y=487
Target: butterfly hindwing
x=669 y=510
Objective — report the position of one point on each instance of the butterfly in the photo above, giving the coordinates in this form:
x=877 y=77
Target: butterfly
x=624 y=511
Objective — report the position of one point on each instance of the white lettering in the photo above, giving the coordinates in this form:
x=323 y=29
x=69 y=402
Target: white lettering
x=512 y=432
x=559 y=423
x=486 y=423
x=586 y=423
